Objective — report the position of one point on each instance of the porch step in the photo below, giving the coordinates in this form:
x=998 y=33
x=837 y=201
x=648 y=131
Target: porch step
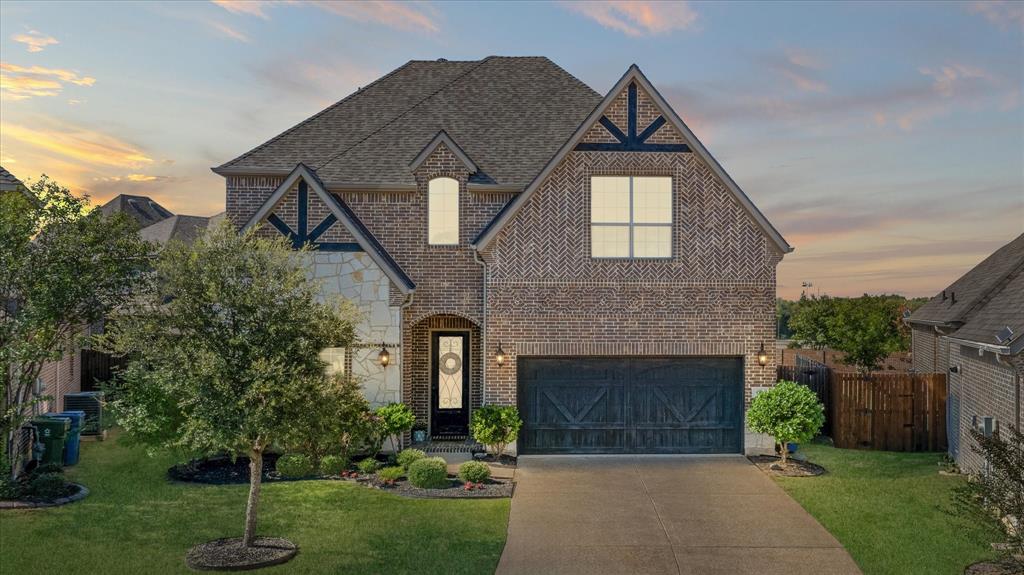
x=467 y=446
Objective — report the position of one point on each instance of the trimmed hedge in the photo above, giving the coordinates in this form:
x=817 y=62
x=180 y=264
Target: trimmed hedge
x=429 y=473
x=333 y=464
x=368 y=465
x=474 y=472
x=294 y=465
x=407 y=456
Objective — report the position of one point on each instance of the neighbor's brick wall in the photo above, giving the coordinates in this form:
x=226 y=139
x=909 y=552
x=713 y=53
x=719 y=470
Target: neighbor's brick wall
x=986 y=388
x=547 y=296
x=923 y=347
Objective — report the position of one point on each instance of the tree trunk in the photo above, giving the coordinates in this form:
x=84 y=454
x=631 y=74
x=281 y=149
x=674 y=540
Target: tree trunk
x=784 y=452
x=255 y=478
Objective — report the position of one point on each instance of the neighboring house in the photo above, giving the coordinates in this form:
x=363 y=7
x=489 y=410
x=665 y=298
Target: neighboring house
x=11 y=184
x=142 y=209
x=514 y=237
x=81 y=368
x=974 y=331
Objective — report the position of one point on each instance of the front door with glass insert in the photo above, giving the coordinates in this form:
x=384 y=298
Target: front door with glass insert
x=449 y=384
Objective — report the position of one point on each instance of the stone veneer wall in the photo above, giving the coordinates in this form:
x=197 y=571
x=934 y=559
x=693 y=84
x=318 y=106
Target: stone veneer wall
x=986 y=388
x=356 y=278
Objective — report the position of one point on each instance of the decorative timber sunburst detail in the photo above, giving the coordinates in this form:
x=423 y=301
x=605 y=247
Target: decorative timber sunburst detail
x=630 y=141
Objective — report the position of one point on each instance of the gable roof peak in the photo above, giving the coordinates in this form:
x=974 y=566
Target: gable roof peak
x=344 y=214
x=631 y=75
x=442 y=137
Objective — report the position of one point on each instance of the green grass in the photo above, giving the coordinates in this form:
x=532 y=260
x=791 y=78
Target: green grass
x=890 y=511
x=135 y=521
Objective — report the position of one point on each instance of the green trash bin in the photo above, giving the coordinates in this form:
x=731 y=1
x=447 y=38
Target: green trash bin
x=52 y=432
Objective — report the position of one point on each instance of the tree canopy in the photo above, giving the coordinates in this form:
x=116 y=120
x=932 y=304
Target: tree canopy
x=224 y=345
x=63 y=266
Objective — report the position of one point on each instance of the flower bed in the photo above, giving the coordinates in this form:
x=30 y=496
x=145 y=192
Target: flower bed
x=75 y=492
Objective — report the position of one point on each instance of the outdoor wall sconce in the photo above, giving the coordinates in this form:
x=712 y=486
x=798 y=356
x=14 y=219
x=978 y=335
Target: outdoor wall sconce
x=384 y=358
x=499 y=356
x=762 y=356
x=954 y=369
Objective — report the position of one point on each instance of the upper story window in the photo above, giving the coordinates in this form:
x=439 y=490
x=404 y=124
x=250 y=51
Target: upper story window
x=631 y=217
x=443 y=211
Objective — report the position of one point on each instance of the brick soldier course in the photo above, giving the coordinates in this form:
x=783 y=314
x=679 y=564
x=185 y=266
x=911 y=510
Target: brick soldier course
x=523 y=139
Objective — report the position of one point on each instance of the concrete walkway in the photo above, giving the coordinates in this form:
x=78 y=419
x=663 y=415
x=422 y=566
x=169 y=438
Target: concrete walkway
x=661 y=514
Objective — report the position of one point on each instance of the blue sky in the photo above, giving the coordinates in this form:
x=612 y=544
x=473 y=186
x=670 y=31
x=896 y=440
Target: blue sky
x=885 y=140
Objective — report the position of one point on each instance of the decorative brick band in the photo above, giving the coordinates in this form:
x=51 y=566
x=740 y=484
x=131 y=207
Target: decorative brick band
x=649 y=348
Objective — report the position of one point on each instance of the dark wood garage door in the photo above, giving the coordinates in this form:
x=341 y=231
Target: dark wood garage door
x=631 y=405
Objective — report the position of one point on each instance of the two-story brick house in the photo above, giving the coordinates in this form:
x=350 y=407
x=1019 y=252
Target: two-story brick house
x=513 y=237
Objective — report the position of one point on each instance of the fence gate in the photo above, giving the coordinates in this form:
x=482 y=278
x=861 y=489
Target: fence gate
x=889 y=411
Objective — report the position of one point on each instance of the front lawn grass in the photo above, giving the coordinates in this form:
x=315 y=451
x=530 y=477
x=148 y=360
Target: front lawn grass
x=136 y=521
x=889 y=511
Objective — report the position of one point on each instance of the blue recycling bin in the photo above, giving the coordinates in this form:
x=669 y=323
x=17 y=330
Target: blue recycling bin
x=71 y=443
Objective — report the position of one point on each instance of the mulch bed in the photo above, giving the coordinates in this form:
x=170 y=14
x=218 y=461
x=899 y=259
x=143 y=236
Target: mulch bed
x=794 y=468
x=1004 y=567
x=75 y=492
x=224 y=471
x=493 y=489
x=230 y=555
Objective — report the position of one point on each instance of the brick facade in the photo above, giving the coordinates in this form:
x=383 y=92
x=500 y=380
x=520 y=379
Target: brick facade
x=547 y=296
x=985 y=387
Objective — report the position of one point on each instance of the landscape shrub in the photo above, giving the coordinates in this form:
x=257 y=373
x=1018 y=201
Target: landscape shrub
x=474 y=472
x=496 y=426
x=48 y=485
x=429 y=473
x=388 y=422
x=294 y=465
x=334 y=421
x=333 y=464
x=789 y=412
x=407 y=456
x=48 y=468
x=996 y=497
x=391 y=473
x=368 y=465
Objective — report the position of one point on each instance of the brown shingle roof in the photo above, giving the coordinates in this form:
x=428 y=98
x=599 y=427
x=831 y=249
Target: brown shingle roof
x=972 y=287
x=1004 y=309
x=178 y=228
x=142 y=209
x=510 y=115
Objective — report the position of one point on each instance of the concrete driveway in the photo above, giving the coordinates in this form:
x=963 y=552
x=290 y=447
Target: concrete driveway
x=661 y=514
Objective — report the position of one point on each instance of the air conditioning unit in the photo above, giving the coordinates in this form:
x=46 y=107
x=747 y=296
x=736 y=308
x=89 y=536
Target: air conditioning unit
x=91 y=402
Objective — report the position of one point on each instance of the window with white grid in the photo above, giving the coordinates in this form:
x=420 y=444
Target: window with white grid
x=631 y=217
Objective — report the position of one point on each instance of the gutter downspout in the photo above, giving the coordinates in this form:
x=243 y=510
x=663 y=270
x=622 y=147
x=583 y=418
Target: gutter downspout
x=483 y=325
x=401 y=349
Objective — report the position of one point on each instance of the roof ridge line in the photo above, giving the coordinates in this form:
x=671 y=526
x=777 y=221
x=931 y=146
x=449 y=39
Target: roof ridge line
x=409 y=109
x=317 y=115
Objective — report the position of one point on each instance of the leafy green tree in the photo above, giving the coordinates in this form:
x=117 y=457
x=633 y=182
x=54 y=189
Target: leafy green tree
x=867 y=329
x=811 y=322
x=496 y=426
x=62 y=267
x=224 y=347
x=387 y=422
x=789 y=412
x=333 y=423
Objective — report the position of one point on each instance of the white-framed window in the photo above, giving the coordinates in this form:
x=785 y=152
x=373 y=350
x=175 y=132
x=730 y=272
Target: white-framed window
x=443 y=211
x=334 y=357
x=631 y=217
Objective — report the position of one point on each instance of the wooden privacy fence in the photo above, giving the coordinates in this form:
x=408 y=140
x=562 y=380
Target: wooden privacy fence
x=815 y=376
x=889 y=411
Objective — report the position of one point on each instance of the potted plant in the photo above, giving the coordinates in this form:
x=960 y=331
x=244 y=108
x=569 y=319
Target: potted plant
x=419 y=432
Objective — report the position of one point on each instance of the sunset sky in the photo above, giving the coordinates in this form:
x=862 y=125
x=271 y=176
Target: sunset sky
x=884 y=140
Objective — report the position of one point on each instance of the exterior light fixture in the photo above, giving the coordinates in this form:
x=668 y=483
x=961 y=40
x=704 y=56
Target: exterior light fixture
x=384 y=358
x=762 y=356
x=499 y=356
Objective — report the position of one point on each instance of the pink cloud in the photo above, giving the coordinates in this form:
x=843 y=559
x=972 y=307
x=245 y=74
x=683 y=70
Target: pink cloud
x=949 y=77
x=637 y=18
x=227 y=31
x=249 y=7
x=413 y=16
x=999 y=12
x=34 y=40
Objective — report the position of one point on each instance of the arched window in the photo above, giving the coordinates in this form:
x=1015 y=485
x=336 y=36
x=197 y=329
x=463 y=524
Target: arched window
x=443 y=211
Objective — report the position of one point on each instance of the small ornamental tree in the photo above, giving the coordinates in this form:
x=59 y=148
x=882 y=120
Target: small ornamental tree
x=388 y=422
x=224 y=347
x=789 y=412
x=995 y=496
x=496 y=426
